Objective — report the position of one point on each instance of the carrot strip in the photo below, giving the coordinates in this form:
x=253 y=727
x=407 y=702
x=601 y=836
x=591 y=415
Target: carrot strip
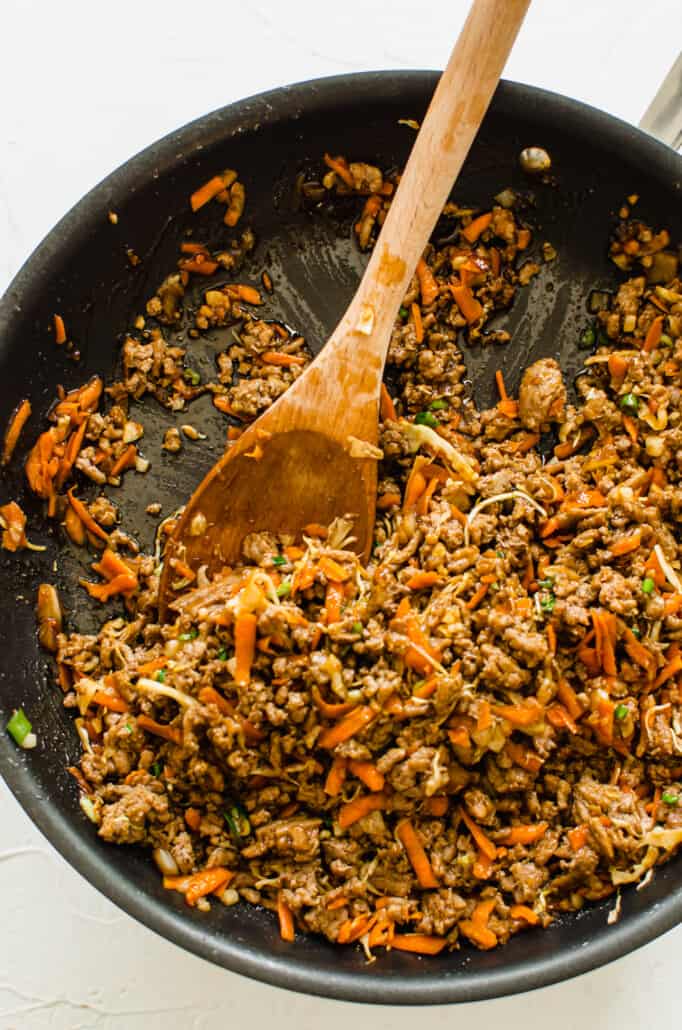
x=336 y=776
x=286 y=919
x=159 y=729
x=423 y=502
x=199 y=265
x=525 y=913
x=477 y=597
x=418 y=943
x=653 y=335
x=521 y=756
x=355 y=928
x=359 y=807
x=388 y=500
x=569 y=699
x=551 y=638
x=418 y=324
x=348 y=726
x=85 y=517
x=59 y=330
x=469 y=307
x=578 y=837
x=668 y=671
x=419 y=861
x=483 y=842
x=207 y=192
x=626 y=544
x=152 y=666
x=416 y=483
x=484 y=720
x=332 y=603
x=18 y=420
x=474 y=229
x=338 y=165
x=111 y=565
x=630 y=427
x=460 y=736
x=386 y=405
x=524 y=834
x=110 y=701
x=436 y=806
x=420 y=580
x=125 y=461
x=428 y=286
x=283 y=360
x=331 y=711
x=476 y=928
x=413 y=658
x=123 y=584
x=209 y=881
x=337 y=903
x=519 y=715
x=367 y=772
x=244 y=646
x=332 y=570
x=193 y=818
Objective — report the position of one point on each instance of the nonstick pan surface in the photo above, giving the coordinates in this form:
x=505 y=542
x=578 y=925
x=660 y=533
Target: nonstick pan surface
x=82 y=271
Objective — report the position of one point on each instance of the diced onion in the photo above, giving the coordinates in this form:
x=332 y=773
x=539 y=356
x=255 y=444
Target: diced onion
x=165 y=862
x=668 y=570
x=152 y=687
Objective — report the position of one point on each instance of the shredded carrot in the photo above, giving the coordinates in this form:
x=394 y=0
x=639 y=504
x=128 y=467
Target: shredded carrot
x=523 y=238
x=332 y=570
x=339 y=165
x=198 y=885
x=476 y=928
x=520 y=715
x=351 y=724
x=125 y=461
x=672 y=604
x=484 y=719
x=653 y=336
x=529 y=834
x=436 y=806
x=112 y=565
x=653 y=568
x=193 y=818
x=605 y=634
x=337 y=903
x=569 y=699
x=469 y=307
x=359 y=807
x=525 y=442
x=525 y=913
x=428 y=287
x=388 y=500
x=521 y=756
x=367 y=772
x=578 y=837
x=152 y=666
x=275 y=357
x=483 y=842
x=419 y=861
x=336 y=776
x=460 y=736
x=474 y=229
x=315 y=529
x=332 y=603
x=423 y=502
x=331 y=711
x=18 y=420
x=421 y=580
x=626 y=544
x=183 y=570
x=506 y=405
x=199 y=265
x=416 y=483
x=477 y=596
x=59 y=330
x=418 y=324
x=123 y=584
x=286 y=919
x=386 y=405
x=355 y=928
x=113 y=702
x=551 y=638
x=244 y=646
x=85 y=517
x=413 y=658
x=208 y=191
x=668 y=671
x=159 y=729
x=630 y=427
x=293 y=553
x=560 y=718
x=418 y=943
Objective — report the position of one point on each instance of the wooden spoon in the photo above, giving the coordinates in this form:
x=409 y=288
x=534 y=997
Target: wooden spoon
x=296 y=464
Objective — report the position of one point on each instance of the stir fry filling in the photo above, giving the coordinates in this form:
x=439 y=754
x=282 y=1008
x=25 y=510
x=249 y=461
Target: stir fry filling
x=477 y=730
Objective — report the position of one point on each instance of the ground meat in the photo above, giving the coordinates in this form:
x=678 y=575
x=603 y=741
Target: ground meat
x=542 y=394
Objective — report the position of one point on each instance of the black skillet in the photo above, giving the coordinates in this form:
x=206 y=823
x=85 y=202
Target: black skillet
x=81 y=271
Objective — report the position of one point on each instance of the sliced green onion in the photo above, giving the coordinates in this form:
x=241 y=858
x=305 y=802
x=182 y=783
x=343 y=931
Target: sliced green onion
x=279 y=559
x=665 y=340
x=547 y=604
x=546 y=584
x=636 y=632
x=191 y=376
x=155 y=768
x=438 y=405
x=425 y=418
x=648 y=585
x=403 y=313
x=670 y=799
x=222 y=655
x=630 y=402
x=160 y=676
x=19 y=727
x=621 y=711
x=284 y=589
x=190 y=635
x=129 y=727
x=588 y=338
x=500 y=554
x=238 y=821
x=357 y=627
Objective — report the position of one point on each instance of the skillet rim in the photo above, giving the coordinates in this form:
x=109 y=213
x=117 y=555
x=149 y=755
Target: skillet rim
x=253 y=114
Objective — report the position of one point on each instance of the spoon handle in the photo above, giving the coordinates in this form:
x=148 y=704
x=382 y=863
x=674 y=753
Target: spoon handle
x=454 y=116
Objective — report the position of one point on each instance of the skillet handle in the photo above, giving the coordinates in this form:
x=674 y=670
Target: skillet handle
x=663 y=116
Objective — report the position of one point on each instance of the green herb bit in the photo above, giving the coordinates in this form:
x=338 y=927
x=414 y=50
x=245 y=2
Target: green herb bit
x=238 y=822
x=279 y=559
x=191 y=376
x=284 y=589
x=648 y=585
x=670 y=799
x=602 y=338
x=160 y=676
x=438 y=405
x=636 y=632
x=425 y=418
x=630 y=402
x=621 y=711
x=155 y=769
x=547 y=603
x=357 y=627
x=588 y=338
x=546 y=584
x=665 y=340
x=129 y=727
x=19 y=726
x=192 y=634
x=500 y=554
x=222 y=655
x=403 y=313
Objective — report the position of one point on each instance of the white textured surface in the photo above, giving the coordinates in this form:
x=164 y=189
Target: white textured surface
x=85 y=86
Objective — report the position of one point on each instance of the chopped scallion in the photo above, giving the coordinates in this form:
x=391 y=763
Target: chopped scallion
x=621 y=711
x=222 y=655
x=192 y=634
x=284 y=589
x=279 y=559
x=670 y=799
x=425 y=418
x=630 y=402
x=19 y=726
x=648 y=585
x=438 y=405
x=191 y=376
x=357 y=627
x=160 y=676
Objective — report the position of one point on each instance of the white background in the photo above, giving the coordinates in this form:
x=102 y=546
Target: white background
x=84 y=85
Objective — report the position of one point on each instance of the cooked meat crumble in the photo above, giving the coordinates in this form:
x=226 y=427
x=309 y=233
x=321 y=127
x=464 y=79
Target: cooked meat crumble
x=479 y=729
